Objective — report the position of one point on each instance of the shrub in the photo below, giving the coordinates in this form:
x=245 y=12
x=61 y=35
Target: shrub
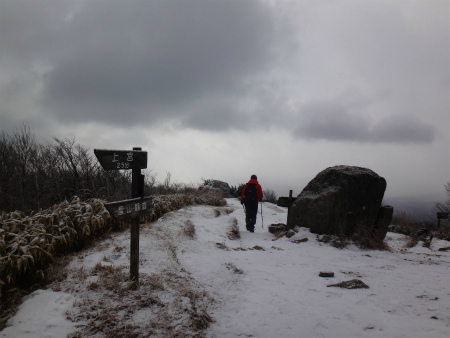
x=404 y=223
x=270 y=196
x=236 y=191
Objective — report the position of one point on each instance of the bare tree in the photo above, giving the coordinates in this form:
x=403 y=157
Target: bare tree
x=444 y=207
x=270 y=196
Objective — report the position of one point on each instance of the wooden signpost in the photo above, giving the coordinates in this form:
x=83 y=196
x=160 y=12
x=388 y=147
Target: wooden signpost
x=128 y=209
x=121 y=159
x=133 y=208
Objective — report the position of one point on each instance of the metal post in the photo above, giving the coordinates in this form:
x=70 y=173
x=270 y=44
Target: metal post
x=289 y=203
x=136 y=190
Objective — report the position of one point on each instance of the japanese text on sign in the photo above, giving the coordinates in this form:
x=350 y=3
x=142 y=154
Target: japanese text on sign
x=123 y=165
x=127 y=209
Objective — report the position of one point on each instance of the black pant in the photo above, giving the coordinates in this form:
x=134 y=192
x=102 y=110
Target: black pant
x=250 y=216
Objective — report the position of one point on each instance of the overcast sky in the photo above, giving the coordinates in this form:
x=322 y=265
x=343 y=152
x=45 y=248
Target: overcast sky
x=225 y=89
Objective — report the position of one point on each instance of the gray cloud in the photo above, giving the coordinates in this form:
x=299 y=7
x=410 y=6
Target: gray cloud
x=330 y=121
x=222 y=65
x=403 y=129
x=110 y=61
x=334 y=121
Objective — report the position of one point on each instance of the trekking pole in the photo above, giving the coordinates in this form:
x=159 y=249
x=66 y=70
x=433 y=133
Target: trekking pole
x=262 y=218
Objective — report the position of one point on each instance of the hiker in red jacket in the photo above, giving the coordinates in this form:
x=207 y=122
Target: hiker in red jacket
x=251 y=195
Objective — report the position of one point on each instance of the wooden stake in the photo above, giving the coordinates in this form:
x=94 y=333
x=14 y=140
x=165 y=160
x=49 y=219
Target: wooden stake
x=136 y=190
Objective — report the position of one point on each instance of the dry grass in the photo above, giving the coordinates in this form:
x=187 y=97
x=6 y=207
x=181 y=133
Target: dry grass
x=337 y=241
x=363 y=237
x=30 y=244
x=170 y=303
x=222 y=246
x=234 y=269
x=233 y=230
x=219 y=211
x=189 y=229
x=406 y=224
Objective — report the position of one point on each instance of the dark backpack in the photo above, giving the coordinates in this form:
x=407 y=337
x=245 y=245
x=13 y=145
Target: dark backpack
x=250 y=195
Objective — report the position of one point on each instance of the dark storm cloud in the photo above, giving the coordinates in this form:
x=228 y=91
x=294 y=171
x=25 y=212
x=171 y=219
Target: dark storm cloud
x=217 y=116
x=403 y=129
x=130 y=62
x=333 y=121
x=330 y=121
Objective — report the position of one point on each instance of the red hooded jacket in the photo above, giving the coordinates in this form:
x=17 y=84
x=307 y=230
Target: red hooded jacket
x=259 y=191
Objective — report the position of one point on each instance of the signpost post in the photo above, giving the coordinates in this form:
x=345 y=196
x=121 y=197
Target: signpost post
x=135 y=160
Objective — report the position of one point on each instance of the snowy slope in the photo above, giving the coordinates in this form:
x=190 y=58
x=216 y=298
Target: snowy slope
x=255 y=286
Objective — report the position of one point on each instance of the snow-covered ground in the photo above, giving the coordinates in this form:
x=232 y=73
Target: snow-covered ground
x=254 y=286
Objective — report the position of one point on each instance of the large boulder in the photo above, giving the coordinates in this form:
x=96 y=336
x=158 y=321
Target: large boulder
x=219 y=185
x=383 y=221
x=338 y=199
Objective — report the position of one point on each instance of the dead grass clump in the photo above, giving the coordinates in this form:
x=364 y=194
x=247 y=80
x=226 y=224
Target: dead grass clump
x=219 y=211
x=365 y=238
x=412 y=242
x=442 y=233
x=222 y=246
x=234 y=269
x=189 y=229
x=118 y=249
x=109 y=278
x=105 y=320
x=233 y=230
x=173 y=304
x=337 y=241
x=200 y=320
x=154 y=281
x=216 y=212
x=404 y=223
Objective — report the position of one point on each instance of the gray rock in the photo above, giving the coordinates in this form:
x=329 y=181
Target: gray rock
x=301 y=240
x=351 y=284
x=326 y=274
x=338 y=199
x=383 y=221
x=275 y=228
x=290 y=233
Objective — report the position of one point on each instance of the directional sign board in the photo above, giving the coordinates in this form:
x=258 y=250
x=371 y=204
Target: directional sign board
x=121 y=159
x=128 y=209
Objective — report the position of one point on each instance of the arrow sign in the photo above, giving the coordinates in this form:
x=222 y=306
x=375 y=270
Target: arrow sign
x=128 y=209
x=121 y=159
